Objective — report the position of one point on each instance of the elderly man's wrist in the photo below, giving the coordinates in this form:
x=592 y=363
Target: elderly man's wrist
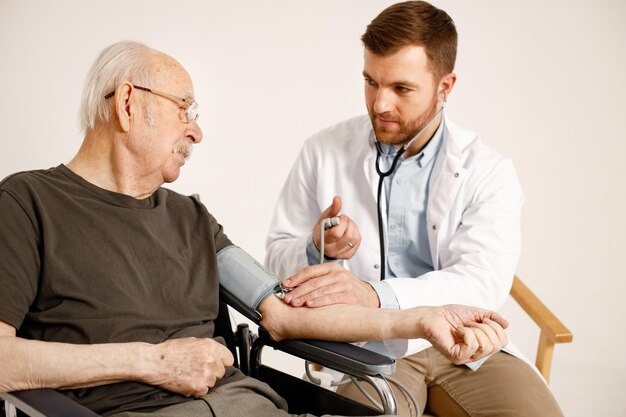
x=145 y=365
x=410 y=323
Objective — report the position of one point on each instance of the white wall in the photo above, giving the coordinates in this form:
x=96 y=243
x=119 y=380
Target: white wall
x=541 y=81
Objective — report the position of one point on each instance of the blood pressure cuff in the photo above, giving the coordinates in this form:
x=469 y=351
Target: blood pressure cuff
x=244 y=278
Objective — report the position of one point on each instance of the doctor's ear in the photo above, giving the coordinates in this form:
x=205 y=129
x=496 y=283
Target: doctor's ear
x=446 y=84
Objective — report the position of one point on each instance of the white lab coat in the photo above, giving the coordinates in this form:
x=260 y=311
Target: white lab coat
x=473 y=217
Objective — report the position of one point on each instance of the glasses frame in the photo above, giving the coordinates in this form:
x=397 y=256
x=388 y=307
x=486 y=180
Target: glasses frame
x=191 y=108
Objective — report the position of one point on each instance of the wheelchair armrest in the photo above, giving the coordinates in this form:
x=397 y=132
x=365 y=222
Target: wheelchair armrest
x=342 y=357
x=46 y=403
x=236 y=303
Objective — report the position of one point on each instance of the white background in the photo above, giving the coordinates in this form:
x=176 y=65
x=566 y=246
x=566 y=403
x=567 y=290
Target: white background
x=542 y=82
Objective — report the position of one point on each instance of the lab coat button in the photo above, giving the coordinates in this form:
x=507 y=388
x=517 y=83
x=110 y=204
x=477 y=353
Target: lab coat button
x=376 y=266
x=456 y=175
x=434 y=227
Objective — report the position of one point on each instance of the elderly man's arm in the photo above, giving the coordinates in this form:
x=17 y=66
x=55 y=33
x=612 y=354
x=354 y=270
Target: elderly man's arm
x=187 y=366
x=461 y=333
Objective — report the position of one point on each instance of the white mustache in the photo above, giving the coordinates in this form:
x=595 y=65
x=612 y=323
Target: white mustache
x=184 y=150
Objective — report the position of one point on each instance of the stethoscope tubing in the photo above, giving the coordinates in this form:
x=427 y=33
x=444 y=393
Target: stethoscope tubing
x=384 y=174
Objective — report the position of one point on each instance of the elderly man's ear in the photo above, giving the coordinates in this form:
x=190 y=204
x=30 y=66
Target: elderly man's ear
x=123 y=94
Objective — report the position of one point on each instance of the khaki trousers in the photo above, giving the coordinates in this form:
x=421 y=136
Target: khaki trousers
x=503 y=386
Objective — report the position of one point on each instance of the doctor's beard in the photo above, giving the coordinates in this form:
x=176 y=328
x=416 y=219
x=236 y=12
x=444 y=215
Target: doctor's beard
x=407 y=131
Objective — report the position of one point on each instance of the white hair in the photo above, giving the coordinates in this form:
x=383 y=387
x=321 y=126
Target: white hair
x=122 y=61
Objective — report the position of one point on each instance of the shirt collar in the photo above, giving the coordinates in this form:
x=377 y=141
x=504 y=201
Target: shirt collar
x=426 y=155
x=432 y=147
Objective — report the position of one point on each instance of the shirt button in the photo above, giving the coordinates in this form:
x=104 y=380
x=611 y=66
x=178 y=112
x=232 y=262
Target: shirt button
x=398 y=181
x=392 y=227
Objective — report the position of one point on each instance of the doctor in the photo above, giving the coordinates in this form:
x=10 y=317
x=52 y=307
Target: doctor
x=444 y=208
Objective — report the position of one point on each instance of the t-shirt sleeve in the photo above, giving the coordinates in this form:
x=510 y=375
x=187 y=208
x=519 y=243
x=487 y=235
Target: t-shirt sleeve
x=220 y=238
x=217 y=230
x=20 y=265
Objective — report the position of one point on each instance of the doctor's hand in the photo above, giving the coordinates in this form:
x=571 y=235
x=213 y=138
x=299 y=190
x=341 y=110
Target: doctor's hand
x=461 y=333
x=341 y=241
x=326 y=284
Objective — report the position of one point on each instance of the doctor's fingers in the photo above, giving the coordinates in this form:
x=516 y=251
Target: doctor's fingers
x=487 y=341
x=311 y=272
x=347 y=243
x=340 y=292
x=347 y=247
x=493 y=317
x=494 y=332
x=336 y=232
x=352 y=231
x=337 y=279
x=331 y=237
x=316 y=288
x=332 y=210
x=466 y=346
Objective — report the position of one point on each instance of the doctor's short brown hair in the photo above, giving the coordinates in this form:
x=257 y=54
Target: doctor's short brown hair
x=415 y=23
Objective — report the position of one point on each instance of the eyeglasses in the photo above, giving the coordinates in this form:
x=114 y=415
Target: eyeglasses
x=190 y=107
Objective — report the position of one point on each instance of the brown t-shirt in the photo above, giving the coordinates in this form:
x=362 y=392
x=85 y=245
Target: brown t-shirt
x=80 y=264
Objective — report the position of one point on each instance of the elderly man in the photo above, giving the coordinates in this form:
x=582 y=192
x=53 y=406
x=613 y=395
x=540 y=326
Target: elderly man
x=108 y=282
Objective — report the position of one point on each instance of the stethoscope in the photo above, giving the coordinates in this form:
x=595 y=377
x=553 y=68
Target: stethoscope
x=384 y=174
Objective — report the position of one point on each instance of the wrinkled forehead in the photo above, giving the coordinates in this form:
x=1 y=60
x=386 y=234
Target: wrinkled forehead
x=170 y=76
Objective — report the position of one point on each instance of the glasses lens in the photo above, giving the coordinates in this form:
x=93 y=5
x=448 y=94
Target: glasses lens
x=192 y=112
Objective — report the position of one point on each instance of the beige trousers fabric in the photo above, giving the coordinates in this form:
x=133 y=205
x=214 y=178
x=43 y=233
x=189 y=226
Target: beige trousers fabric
x=503 y=386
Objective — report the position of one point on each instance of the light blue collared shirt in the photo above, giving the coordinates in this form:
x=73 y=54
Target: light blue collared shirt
x=406 y=193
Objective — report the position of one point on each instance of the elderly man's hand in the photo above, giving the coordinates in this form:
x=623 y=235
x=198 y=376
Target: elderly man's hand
x=188 y=366
x=461 y=333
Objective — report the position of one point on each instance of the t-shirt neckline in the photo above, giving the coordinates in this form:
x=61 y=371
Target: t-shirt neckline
x=111 y=197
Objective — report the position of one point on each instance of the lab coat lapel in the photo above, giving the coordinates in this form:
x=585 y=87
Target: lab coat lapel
x=448 y=175
x=369 y=166
x=369 y=169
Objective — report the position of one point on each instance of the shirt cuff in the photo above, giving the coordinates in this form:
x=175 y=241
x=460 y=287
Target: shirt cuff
x=313 y=254
x=477 y=364
x=385 y=294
